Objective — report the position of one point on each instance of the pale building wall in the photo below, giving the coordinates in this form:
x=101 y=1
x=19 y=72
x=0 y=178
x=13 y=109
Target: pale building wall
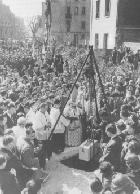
x=104 y=24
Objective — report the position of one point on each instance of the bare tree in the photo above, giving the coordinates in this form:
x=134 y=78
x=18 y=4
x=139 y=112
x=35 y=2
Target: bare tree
x=34 y=24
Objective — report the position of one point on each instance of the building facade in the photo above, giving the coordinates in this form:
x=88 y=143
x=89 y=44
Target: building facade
x=70 y=21
x=114 y=22
x=11 y=27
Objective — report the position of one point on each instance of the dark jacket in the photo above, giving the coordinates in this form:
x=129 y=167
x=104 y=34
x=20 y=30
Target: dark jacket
x=23 y=175
x=100 y=132
x=8 y=183
x=12 y=160
x=11 y=121
x=112 y=152
x=26 y=153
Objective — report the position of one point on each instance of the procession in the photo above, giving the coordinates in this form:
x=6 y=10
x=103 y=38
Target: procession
x=70 y=113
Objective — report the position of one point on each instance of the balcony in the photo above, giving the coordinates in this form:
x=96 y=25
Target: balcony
x=68 y=16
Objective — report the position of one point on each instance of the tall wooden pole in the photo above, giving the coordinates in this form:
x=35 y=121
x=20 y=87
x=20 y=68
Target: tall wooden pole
x=48 y=20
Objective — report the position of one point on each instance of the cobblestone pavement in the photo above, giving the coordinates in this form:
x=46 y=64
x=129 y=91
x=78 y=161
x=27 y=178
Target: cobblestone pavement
x=66 y=180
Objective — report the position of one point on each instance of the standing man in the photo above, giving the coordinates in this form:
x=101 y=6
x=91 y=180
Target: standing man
x=41 y=126
x=58 y=139
x=112 y=151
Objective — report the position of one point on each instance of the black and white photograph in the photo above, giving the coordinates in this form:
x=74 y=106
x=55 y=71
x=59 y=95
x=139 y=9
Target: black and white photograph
x=69 y=96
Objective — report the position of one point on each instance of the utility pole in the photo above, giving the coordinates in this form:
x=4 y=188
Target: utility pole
x=48 y=20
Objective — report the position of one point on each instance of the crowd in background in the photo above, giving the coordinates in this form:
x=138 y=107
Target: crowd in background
x=32 y=94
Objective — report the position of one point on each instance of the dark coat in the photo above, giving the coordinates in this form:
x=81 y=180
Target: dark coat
x=8 y=183
x=100 y=132
x=112 y=152
x=11 y=121
x=23 y=175
x=26 y=153
x=12 y=160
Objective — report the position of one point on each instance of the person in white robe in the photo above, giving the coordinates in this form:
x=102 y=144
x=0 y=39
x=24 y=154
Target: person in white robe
x=58 y=138
x=42 y=127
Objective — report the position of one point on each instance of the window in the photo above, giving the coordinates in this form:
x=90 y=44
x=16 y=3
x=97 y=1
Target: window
x=83 y=11
x=105 y=43
x=83 y=37
x=97 y=8
x=76 y=11
x=68 y=10
x=96 y=41
x=107 y=7
x=68 y=24
x=83 y=25
x=68 y=14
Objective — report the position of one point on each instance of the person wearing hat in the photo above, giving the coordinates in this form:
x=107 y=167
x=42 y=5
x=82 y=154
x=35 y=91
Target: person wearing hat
x=58 y=139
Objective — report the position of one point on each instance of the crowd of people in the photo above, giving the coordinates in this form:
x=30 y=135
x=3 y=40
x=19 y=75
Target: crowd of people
x=33 y=92
x=123 y=54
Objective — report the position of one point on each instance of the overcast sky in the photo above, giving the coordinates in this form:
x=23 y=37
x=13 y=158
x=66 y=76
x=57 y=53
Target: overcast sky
x=25 y=8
